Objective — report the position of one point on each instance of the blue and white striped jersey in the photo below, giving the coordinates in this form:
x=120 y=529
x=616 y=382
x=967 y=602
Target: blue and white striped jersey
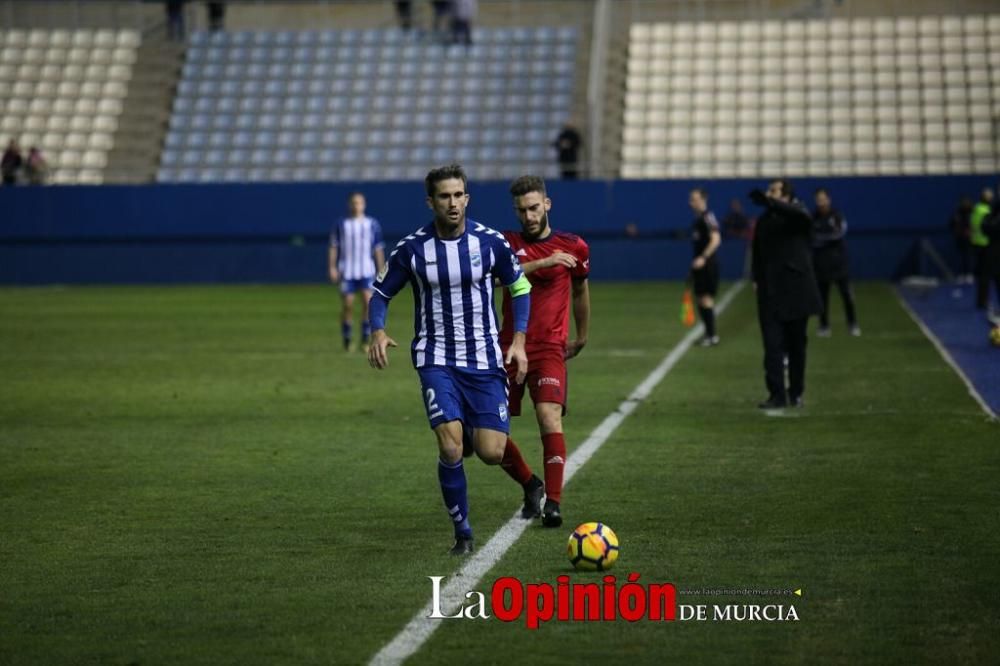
x=356 y=239
x=455 y=323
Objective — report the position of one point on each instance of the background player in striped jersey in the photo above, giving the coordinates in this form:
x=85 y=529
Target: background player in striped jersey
x=705 y=241
x=356 y=254
x=557 y=264
x=450 y=265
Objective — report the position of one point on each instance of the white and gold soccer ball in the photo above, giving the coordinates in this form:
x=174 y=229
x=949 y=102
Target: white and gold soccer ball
x=593 y=547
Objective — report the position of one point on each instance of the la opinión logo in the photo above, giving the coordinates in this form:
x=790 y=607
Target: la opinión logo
x=510 y=600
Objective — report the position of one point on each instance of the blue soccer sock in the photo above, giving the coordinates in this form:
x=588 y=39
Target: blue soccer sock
x=345 y=332
x=456 y=499
x=366 y=330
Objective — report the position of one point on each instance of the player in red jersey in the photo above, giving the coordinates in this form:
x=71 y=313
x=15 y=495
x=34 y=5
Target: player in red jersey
x=557 y=265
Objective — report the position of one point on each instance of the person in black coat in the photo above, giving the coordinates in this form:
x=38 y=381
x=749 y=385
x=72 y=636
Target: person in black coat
x=787 y=294
x=830 y=262
x=991 y=253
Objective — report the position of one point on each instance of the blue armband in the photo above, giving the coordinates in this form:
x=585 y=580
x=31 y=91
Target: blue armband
x=377 y=310
x=521 y=306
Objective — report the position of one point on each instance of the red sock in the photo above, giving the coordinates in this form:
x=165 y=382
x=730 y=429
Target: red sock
x=554 y=456
x=513 y=463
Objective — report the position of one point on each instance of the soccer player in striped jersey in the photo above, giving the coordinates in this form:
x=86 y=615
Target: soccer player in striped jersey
x=557 y=264
x=450 y=265
x=356 y=254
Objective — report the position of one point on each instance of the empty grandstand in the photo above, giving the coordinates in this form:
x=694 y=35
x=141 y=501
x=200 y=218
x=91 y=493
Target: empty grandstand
x=342 y=105
x=62 y=90
x=820 y=97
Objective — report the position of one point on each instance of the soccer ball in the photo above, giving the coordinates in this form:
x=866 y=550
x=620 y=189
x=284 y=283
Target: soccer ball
x=995 y=336
x=592 y=547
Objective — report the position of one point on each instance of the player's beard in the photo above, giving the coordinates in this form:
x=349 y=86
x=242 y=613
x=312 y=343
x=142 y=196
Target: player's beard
x=445 y=223
x=543 y=225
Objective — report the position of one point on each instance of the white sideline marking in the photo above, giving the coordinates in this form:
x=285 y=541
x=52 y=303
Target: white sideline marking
x=944 y=354
x=420 y=628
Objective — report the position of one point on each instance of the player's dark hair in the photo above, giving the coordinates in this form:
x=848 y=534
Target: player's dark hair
x=821 y=190
x=526 y=184
x=435 y=176
x=355 y=193
x=786 y=187
x=702 y=192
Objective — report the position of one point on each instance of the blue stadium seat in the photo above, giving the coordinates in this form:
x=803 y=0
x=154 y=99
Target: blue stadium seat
x=265 y=138
x=277 y=72
x=175 y=139
x=189 y=175
x=194 y=139
x=223 y=121
x=238 y=156
x=170 y=158
x=220 y=139
x=329 y=156
x=245 y=121
x=275 y=87
x=165 y=175
x=192 y=157
x=420 y=155
x=215 y=158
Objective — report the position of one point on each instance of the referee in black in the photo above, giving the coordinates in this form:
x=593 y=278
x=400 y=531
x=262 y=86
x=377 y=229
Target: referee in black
x=786 y=290
x=705 y=241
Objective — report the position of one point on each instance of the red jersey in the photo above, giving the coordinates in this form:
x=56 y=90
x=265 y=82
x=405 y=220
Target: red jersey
x=548 y=324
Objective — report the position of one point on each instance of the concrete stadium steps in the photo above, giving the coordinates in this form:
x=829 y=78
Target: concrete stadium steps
x=143 y=123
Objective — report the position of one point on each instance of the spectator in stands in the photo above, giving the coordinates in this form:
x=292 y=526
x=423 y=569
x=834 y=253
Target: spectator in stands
x=463 y=13
x=980 y=242
x=404 y=13
x=216 y=16
x=175 y=20
x=736 y=224
x=568 y=146
x=830 y=262
x=36 y=169
x=958 y=223
x=442 y=17
x=11 y=163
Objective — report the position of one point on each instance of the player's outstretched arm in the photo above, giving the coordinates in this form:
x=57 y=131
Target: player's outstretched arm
x=378 y=349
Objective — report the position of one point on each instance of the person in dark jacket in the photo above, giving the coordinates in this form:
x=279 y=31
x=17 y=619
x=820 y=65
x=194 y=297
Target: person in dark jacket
x=830 y=262
x=175 y=20
x=216 y=16
x=11 y=163
x=787 y=294
x=567 y=144
x=958 y=224
x=991 y=253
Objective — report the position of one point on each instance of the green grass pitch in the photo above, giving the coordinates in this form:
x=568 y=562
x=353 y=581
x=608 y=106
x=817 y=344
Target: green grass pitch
x=201 y=476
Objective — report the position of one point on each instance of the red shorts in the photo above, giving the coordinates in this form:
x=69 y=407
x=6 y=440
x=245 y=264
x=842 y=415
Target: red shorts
x=545 y=381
